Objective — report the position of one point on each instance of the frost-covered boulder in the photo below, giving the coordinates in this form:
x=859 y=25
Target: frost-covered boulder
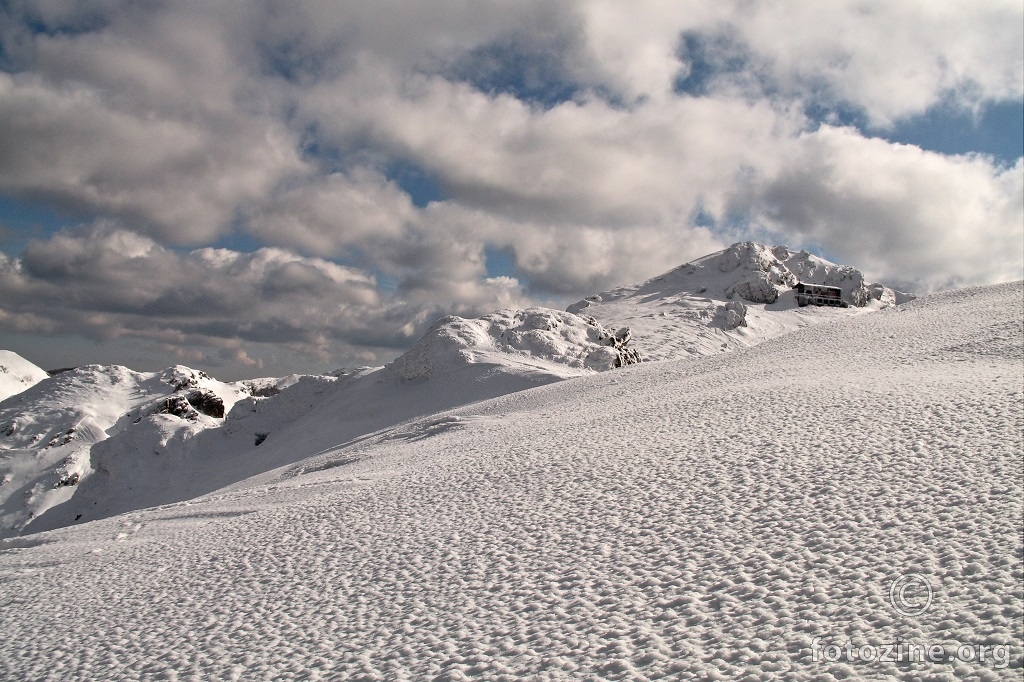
x=557 y=337
x=733 y=315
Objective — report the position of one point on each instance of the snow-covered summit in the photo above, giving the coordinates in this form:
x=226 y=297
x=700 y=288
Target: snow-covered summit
x=731 y=299
x=47 y=431
x=17 y=374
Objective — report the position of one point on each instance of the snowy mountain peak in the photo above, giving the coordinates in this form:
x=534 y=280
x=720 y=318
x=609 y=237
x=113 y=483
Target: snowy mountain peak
x=47 y=432
x=730 y=299
x=17 y=374
x=770 y=271
x=755 y=273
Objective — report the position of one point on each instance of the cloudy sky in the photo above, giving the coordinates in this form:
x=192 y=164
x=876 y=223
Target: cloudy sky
x=255 y=188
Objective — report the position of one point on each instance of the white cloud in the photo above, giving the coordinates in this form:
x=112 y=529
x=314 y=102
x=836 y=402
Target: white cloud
x=900 y=213
x=107 y=283
x=327 y=215
x=279 y=123
x=891 y=59
x=180 y=180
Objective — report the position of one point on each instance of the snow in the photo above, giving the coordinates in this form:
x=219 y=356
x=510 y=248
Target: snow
x=99 y=441
x=17 y=374
x=731 y=299
x=48 y=432
x=77 y=450
x=703 y=517
x=537 y=340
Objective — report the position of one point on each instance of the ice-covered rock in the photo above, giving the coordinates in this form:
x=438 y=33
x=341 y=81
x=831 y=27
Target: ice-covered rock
x=556 y=338
x=734 y=314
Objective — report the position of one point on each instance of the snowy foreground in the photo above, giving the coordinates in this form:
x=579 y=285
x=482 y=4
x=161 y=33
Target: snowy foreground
x=739 y=516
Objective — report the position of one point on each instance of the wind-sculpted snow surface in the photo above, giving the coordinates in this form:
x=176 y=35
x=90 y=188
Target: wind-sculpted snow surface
x=735 y=298
x=736 y=517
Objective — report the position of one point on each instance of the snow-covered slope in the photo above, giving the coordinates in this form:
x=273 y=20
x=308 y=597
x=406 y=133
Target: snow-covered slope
x=48 y=432
x=727 y=517
x=17 y=374
x=731 y=299
x=101 y=441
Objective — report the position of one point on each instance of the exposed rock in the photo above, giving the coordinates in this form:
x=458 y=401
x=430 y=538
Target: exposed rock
x=616 y=354
x=267 y=391
x=177 y=405
x=206 y=402
x=765 y=274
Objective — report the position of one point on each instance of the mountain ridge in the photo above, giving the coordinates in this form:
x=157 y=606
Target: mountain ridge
x=96 y=441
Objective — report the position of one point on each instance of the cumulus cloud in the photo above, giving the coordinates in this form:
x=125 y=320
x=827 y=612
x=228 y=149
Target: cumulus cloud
x=330 y=214
x=903 y=214
x=585 y=139
x=107 y=283
x=890 y=60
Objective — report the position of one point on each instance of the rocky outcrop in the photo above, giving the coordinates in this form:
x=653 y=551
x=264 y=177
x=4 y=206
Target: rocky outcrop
x=181 y=377
x=178 y=406
x=186 y=406
x=207 y=402
x=554 y=336
x=615 y=353
x=763 y=273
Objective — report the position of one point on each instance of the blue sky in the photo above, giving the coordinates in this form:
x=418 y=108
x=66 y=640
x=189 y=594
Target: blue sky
x=266 y=188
